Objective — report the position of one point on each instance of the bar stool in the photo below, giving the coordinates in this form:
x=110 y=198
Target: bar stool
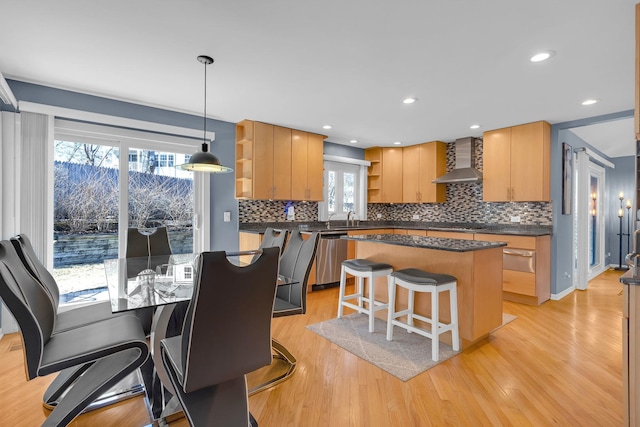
x=362 y=269
x=415 y=280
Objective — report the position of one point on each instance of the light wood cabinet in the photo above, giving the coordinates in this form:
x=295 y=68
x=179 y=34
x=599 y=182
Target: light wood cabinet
x=306 y=165
x=525 y=287
x=351 y=244
x=517 y=163
x=450 y=234
x=261 y=154
x=384 y=182
x=637 y=86
x=421 y=164
x=277 y=163
x=630 y=352
x=248 y=242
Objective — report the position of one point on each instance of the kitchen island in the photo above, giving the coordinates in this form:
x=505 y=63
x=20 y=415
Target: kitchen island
x=477 y=266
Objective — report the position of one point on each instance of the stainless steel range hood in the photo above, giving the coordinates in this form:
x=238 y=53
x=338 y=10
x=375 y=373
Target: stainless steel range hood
x=463 y=170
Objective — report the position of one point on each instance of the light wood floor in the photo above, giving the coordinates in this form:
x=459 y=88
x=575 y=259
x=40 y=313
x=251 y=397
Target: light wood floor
x=559 y=364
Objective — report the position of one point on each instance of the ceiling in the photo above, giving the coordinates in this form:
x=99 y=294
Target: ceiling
x=348 y=64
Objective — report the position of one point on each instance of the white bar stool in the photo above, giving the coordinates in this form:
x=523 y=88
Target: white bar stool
x=362 y=269
x=415 y=280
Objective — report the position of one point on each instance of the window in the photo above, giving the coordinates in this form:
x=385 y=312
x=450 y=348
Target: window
x=166 y=160
x=342 y=191
x=97 y=195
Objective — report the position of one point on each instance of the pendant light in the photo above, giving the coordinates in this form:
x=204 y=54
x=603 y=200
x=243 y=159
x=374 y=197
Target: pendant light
x=204 y=161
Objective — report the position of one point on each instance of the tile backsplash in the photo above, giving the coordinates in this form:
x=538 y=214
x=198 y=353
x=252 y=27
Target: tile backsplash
x=464 y=204
x=274 y=210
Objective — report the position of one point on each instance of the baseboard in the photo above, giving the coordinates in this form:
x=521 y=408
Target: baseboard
x=556 y=297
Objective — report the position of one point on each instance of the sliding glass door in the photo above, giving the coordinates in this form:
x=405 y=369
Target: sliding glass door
x=104 y=186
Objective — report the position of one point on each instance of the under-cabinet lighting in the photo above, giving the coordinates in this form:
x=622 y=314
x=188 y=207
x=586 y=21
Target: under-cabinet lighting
x=589 y=102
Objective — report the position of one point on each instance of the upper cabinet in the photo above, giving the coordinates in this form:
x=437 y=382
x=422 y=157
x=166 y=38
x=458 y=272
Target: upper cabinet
x=385 y=175
x=421 y=164
x=517 y=163
x=277 y=163
x=306 y=165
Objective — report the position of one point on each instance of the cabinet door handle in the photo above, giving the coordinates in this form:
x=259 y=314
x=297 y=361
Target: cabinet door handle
x=513 y=193
x=508 y=193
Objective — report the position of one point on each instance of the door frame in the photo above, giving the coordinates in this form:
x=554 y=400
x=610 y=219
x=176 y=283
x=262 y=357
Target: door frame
x=583 y=171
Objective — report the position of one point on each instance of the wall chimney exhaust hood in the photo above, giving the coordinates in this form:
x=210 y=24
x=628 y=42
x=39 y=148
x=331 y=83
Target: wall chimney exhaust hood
x=463 y=170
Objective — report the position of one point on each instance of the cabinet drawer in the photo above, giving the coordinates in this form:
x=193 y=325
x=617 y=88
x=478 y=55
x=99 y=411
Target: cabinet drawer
x=522 y=242
x=519 y=282
x=450 y=235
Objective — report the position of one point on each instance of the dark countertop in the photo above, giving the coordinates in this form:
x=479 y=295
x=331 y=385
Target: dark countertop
x=443 y=244
x=631 y=277
x=339 y=226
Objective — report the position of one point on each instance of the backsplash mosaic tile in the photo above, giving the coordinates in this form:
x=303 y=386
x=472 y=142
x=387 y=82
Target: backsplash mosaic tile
x=274 y=210
x=464 y=204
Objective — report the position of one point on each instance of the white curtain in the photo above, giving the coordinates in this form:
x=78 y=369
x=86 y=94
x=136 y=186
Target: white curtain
x=26 y=142
x=35 y=168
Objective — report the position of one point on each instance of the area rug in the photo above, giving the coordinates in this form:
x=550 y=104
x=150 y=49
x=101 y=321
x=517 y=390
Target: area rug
x=405 y=357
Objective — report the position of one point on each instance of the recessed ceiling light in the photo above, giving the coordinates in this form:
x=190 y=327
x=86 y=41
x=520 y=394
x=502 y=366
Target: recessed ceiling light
x=409 y=100
x=589 y=102
x=397 y=143
x=542 y=56
x=326 y=127
x=474 y=127
x=354 y=141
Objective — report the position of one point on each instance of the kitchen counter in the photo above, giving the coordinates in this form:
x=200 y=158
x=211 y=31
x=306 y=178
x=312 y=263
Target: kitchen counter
x=476 y=265
x=340 y=227
x=443 y=244
x=631 y=277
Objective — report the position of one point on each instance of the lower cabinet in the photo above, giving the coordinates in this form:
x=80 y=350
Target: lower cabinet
x=526 y=273
x=351 y=247
x=450 y=235
x=248 y=242
x=630 y=354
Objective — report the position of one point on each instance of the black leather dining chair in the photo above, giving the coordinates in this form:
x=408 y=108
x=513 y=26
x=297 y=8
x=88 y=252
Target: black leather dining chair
x=108 y=350
x=273 y=237
x=295 y=263
x=64 y=320
x=140 y=245
x=226 y=334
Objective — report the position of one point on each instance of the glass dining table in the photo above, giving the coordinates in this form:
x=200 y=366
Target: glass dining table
x=160 y=282
x=136 y=283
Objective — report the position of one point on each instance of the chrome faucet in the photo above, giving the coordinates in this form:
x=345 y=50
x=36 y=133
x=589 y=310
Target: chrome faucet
x=349 y=217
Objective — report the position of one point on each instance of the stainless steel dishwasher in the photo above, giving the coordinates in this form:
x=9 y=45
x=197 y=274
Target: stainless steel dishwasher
x=332 y=250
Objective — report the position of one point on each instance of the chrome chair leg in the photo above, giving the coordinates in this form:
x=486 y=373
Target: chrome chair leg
x=283 y=354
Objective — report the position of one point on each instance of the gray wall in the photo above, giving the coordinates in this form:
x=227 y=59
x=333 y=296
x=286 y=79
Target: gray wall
x=561 y=246
x=223 y=235
x=352 y=152
x=620 y=179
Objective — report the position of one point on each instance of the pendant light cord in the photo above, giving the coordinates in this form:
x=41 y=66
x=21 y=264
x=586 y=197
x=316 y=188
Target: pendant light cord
x=205 y=147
